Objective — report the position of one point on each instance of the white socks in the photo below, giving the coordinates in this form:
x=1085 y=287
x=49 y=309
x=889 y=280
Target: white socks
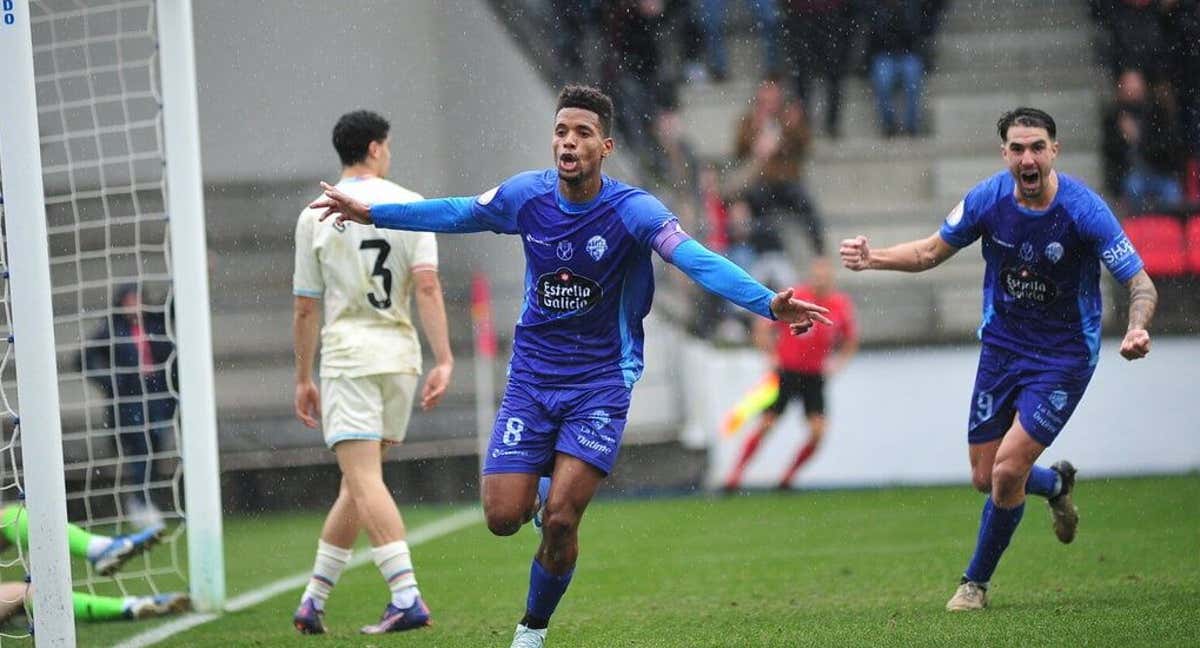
x=327 y=569
x=395 y=564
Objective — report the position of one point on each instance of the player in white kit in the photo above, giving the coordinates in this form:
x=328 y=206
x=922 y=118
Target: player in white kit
x=370 y=366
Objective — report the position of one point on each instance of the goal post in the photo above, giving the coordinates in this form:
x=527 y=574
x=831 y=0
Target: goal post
x=28 y=271
x=189 y=258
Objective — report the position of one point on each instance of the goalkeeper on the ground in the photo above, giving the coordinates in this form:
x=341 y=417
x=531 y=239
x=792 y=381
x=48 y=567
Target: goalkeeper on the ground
x=106 y=554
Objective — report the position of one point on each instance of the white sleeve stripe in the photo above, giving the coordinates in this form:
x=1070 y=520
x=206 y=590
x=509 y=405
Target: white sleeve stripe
x=308 y=292
x=416 y=267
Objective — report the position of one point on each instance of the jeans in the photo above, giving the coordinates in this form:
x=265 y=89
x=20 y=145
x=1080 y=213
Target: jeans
x=712 y=20
x=1146 y=190
x=909 y=71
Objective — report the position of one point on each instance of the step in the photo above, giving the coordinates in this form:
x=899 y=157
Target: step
x=869 y=185
x=1029 y=50
x=960 y=18
x=969 y=118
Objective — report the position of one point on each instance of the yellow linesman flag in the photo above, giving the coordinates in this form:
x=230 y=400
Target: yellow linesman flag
x=759 y=398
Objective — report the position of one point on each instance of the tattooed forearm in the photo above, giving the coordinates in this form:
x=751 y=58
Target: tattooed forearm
x=1143 y=298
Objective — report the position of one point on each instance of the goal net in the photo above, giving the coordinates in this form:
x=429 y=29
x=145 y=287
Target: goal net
x=104 y=169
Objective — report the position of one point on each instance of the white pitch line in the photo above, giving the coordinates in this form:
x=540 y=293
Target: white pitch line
x=423 y=534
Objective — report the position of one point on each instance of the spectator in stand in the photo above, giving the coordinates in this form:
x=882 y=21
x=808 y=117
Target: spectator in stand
x=895 y=44
x=819 y=34
x=129 y=358
x=1183 y=37
x=772 y=139
x=676 y=164
x=712 y=18
x=573 y=19
x=1141 y=148
x=742 y=250
x=632 y=70
x=1135 y=28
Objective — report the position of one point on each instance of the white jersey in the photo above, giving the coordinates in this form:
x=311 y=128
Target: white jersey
x=364 y=275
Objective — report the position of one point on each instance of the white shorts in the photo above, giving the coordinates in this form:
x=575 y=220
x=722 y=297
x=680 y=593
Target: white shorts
x=373 y=407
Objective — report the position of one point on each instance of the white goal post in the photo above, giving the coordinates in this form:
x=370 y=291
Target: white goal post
x=189 y=251
x=33 y=330
x=35 y=269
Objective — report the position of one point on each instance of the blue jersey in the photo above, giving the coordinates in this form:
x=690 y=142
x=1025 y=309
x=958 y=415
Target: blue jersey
x=1041 y=285
x=588 y=278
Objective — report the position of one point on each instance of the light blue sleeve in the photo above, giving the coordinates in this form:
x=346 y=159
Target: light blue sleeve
x=720 y=276
x=1099 y=227
x=447 y=215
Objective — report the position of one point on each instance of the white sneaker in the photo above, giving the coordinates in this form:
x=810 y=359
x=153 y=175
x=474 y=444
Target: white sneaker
x=528 y=637
x=969 y=596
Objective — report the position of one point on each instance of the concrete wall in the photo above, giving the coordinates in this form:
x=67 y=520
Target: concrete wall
x=900 y=417
x=466 y=109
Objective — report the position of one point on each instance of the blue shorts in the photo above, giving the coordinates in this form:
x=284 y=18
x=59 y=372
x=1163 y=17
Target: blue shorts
x=536 y=422
x=1042 y=394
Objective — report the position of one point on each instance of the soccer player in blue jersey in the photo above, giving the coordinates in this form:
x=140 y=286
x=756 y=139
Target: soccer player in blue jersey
x=577 y=349
x=1045 y=235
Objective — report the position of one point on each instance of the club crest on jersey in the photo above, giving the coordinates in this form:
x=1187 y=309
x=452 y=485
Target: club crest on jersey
x=596 y=247
x=565 y=292
x=1054 y=252
x=565 y=250
x=1058 y=398
x=1026 y=252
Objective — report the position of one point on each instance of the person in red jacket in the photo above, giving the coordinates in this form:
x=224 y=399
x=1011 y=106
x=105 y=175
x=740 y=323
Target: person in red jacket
x=802 y=363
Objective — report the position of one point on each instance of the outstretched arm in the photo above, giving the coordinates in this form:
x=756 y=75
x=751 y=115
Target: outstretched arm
x=913 y=256
x=1143 y=299
x=720 y=276
x=448 y=215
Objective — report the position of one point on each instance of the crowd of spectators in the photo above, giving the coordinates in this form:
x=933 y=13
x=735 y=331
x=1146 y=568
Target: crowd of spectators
x=753 y=206
x=640 y=50
x=1151 y=130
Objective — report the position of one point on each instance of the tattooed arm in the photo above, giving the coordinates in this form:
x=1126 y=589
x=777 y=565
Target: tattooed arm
x=1143 y=298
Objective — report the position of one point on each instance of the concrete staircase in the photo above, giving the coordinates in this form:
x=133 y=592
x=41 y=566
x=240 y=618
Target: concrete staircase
x=991 y=55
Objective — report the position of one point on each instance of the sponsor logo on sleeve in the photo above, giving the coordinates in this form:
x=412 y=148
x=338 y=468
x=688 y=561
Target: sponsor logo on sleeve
x=1119 y=251
x=955 y=215
x=486 y=197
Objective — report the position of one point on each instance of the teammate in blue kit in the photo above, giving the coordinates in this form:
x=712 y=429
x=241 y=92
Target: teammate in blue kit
x=577 y=349
x=1044 y=237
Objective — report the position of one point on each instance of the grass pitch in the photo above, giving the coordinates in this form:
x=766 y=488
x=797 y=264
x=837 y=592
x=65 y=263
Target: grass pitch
x=871 y=567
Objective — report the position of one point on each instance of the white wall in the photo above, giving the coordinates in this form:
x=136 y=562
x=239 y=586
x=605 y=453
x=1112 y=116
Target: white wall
x=467 y=107
x=900 y=416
